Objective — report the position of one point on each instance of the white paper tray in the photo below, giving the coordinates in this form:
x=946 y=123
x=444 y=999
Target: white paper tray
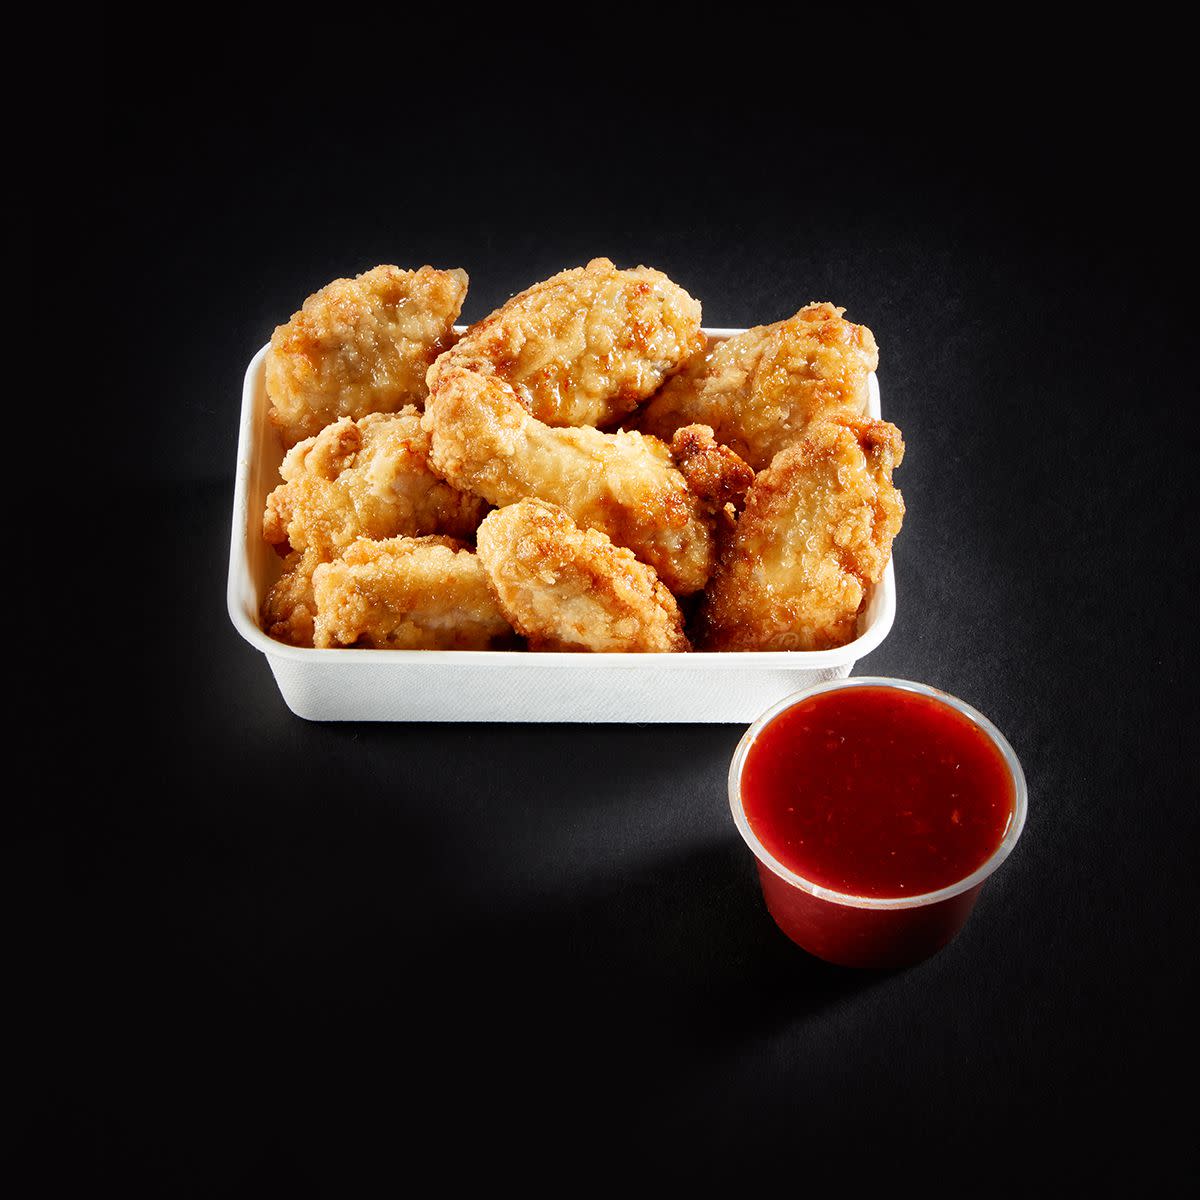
x=493 y=685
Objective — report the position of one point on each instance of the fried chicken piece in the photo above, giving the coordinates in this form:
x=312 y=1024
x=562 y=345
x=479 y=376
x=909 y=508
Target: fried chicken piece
x=585 y=347
x=760 y=390
x=290 y=608
x=368 y=478
x=567 y=588
x=817 y=529
x=427 y=593
x=360 y=346
x=623 y=484
x=712 y=471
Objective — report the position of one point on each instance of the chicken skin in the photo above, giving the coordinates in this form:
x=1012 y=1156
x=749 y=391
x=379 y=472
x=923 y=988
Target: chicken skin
x=761 y=390
x=427 y=593
x=360 y=346
x=816 y=531
x=483 y=440
x=567 y=588
x=585 y=347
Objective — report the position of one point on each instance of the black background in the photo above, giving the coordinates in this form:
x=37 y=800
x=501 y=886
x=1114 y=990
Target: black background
x=514 y=951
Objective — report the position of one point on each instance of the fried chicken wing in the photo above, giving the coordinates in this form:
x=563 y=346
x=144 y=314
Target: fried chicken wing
x=567 y=588
x=585 y=347
x=428 y=593
x=623 y=484
x=712 y=471
x=371 y=478
x=817 y=529
x=760 y=390
x=360 y=346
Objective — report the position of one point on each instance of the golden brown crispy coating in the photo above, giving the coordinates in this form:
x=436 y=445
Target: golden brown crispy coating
x=712 y=471
x=367 y=478
x=567 y=588
x=817 y=529
x=587 y=346
x=760 y=390
x=428 y=593
x=360 y=346
x=290 y=608
x=624 y=484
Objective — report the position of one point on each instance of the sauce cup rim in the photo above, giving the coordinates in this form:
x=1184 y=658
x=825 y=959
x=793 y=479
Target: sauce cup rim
x=1002 y=851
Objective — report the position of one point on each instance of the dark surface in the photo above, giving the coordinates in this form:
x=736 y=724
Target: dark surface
x=496 y=950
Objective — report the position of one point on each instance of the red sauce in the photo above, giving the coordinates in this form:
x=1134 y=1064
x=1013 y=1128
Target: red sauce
x=873 y=791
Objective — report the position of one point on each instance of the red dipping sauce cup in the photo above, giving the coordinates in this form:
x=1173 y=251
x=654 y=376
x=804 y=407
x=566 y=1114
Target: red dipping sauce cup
x=882 y=931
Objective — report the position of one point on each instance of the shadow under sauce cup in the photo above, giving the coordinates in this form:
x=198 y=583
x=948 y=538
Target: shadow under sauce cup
x=876 y=810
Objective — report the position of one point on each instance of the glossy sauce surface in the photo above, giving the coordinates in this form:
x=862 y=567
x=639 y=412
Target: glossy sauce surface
x=878 y=792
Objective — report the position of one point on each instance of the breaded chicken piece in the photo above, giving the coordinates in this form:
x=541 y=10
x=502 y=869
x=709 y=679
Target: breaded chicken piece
x=587 y=346
x=368 y=478
x=290 y=609
x=760 y=390
x=624 y=484
x=360 y=346
x=817 y=529
x=428 y=593
x=567 y=588
x=712 y=471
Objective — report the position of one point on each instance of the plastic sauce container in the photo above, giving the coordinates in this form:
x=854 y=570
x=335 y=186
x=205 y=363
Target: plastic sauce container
x=876 y=810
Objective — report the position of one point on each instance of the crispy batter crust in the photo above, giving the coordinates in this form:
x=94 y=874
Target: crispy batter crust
x=712 y=471
x=289 y=610
x=567 y=588
x=596 y=529
x=623 y=484
x=817 y=529
x=587 y=346
x=760 y=391
x=368 y=478
x=360 y=346
x=428 y=593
